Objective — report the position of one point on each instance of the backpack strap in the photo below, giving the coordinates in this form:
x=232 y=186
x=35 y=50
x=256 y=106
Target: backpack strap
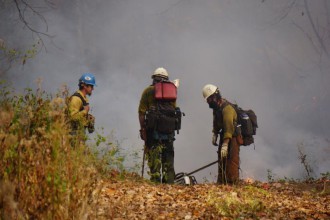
x=82 y=99
x=224 y=105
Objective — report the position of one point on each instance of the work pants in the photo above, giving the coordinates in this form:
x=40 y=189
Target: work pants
x=228 y=168
x=160 y=154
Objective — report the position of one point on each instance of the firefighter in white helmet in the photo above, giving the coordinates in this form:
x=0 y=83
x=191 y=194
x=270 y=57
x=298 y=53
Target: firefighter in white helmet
x=160 y=72
x=224 y=125
x=156 y=132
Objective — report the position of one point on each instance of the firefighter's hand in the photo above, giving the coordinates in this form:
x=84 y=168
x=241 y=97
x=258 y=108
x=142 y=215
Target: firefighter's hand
x=224 y=150
x=143 y=134
x=214 y=139
x=86 y=107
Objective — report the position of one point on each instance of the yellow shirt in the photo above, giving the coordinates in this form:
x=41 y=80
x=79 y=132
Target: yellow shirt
x=76 y=109
x=226 y=119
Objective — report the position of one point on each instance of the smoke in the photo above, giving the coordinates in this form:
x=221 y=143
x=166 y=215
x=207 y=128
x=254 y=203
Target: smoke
x=259 y=54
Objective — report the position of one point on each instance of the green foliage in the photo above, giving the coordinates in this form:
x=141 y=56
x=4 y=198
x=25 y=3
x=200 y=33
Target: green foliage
x=270 y=176
x=108 y=154
x=325 y=177
x=135 y=160
x=19 y=55
x=154 y=162
x=239 y=203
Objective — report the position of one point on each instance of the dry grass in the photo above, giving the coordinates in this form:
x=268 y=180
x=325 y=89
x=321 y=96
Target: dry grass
x=42 y=175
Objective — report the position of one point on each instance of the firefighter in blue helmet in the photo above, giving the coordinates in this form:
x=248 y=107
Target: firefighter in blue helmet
x=158 y=139
x=79 y=107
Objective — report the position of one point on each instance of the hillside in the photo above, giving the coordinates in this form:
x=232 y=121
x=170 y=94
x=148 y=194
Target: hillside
x=46 y=174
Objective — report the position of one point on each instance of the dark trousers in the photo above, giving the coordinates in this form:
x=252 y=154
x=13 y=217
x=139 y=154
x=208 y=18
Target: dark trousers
x=228 y=168
x=160 y=155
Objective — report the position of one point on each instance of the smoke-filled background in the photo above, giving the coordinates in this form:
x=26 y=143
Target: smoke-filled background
x=270 y=56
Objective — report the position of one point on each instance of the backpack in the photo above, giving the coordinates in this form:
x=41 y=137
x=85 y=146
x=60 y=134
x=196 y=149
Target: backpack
x=165 y=91
x=165 y=118
x=246 y=123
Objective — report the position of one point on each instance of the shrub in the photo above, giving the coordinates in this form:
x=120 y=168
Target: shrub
x=50 y=178
x=240 y=203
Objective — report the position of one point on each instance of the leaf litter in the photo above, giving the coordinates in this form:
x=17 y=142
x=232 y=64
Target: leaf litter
x=130 y=199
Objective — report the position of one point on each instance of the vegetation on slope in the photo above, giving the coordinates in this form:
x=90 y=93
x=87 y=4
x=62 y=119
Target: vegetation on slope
x=46 y=174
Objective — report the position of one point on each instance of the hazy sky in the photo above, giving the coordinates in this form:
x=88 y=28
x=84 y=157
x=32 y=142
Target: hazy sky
x=263 y=55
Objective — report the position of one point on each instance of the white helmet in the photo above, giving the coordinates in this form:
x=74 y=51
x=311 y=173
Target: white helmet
x=161 y=72
x=209 y=90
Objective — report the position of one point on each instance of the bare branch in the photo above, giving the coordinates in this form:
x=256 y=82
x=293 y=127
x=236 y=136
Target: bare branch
x=326 y=6
x=303 y=160
x=21 y=13
x=308 y=36
x=320 y=40
x=22 y=18
x=171 y=7
x=287 y=10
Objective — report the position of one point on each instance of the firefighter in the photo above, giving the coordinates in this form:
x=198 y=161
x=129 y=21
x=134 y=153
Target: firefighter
x=79 y=108
x=157 y=144
x=225 y=126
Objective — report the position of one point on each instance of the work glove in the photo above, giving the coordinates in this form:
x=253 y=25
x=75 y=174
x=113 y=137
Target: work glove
x=224 y=150
x=143 y=134
x=214 y=139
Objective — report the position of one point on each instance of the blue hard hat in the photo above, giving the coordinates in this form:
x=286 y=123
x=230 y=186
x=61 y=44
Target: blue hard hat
x=88 y=79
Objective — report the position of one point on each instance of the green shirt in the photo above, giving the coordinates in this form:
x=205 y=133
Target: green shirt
x=225 y=118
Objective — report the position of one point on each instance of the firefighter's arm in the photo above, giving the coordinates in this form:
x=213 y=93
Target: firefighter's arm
x=143 y=131
x=229 y=115
x=143 y=106
x=215 y=131
x=229 y=118
x=142 y=120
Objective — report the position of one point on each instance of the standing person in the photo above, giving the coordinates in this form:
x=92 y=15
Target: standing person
x=159 y=118
x=78 y=106
x=225 y=125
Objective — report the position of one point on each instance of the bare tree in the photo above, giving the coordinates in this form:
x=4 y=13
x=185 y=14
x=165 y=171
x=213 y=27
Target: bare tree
x=316 y=32
x=28 y=13
x=319 y=36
